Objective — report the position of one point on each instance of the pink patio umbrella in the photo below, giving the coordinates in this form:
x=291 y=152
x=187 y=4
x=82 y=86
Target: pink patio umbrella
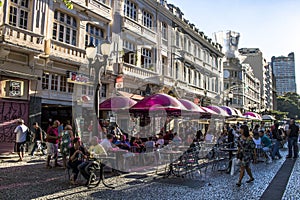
x=230 y=111
x=191 y=107
x=252 y=115
x=158 y=102
x=218 y=110
x=116 y=103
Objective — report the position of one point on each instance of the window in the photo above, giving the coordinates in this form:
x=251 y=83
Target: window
x=64 y=28
x=184 y=73
x=70 y=87
x=147 y=19
x=130 y=10
x=54 y=82
x=164 y=31
x=91 y=90
x=184 y=44
x=189 y=47
x=146 y=58
x=63 y=83
x=103 y=90
x=18 y=13
x=176 y=70
x=45 y=81
x=83 y=90
x=93 y=35
x=130 y=55
x=177 y=39
x=195 y=78
x=190 y=76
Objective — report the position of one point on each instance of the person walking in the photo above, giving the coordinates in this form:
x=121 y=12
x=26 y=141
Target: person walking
x=292 y=134
x=67 y=137
x=37 y=138
x=21 y=132
x=246 y=152
x=52 y=144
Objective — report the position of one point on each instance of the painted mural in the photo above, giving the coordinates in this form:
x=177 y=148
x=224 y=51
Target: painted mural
x=10 y=111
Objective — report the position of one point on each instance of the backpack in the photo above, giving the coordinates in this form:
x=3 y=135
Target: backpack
x=44 y=135
x=28 y=135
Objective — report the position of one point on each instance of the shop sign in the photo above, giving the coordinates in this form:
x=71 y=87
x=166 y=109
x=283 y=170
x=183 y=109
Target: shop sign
x=78 y=78
x=119 y=82
x=15 y=88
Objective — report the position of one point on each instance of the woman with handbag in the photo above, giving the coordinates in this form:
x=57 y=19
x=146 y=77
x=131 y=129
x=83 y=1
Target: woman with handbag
x=246 y=152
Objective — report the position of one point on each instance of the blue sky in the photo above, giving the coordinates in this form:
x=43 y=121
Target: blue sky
x=273 y=26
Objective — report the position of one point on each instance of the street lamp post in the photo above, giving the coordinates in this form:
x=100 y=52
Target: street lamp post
x=229 y=99
x=252 y=107
x=91 y=53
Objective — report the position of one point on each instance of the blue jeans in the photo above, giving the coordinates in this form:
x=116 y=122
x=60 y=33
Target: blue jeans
x=275 y=151
x=293 y=145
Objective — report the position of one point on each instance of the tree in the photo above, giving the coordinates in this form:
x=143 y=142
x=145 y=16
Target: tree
x=289 y=103
x=68 y=3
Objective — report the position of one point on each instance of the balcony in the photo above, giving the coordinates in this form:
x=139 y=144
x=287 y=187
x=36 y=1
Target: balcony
x=21 y=37
x=139 y=30
x=187 y=56
x=64 y=51
x=100 y=8
x=132 y=70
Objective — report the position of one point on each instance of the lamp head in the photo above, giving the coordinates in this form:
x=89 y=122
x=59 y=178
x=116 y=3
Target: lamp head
x=105 y=48
x=91 y=51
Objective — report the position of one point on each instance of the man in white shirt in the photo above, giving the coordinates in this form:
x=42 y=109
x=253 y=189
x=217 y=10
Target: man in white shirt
x=106 y=143
x=21 y=131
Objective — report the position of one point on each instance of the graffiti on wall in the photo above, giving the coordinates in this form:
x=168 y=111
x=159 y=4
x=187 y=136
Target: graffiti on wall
x=10 y=111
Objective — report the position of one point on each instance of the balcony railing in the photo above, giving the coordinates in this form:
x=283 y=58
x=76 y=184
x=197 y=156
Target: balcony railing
x=187 y=56
x=136 y=28
x=135 y=71
x=22 y=37
x=62 y=50
x=100 y=8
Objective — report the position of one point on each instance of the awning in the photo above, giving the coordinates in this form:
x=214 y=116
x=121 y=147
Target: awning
x=268 y=118
x=130 y=95
x=218 y=110
x=21 y=75
x=252 y=116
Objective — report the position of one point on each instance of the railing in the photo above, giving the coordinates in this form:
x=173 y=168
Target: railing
x=187 y=56
x=22 y=37
x=138 y=29
x=135 y=71
x=63 y=50
x=100 y=8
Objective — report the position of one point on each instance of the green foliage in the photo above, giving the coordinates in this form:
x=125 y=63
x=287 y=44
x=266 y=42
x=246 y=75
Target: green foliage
x=289 y=103
x=1 y=2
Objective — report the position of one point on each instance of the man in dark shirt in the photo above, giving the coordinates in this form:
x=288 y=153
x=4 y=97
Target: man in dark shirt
x=37 y=138
x=293 y=133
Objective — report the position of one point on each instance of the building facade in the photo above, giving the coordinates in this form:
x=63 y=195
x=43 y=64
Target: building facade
x=45 y=73
x=254 y=57
x=284 y=72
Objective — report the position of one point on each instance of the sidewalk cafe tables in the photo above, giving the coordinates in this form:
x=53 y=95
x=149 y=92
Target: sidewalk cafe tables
x=172 y=154
x=231 y=158
x=119 y=156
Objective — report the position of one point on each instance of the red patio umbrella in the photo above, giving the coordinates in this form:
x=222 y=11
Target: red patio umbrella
x=116 y=103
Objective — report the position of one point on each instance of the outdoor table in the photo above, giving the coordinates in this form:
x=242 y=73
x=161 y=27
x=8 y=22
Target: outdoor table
x=231 y=151
x=172 y=153
x=100 y=158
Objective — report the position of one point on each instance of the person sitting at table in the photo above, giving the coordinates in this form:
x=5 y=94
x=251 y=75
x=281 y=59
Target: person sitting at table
x=134 y=146
x=107 y=143
x=139 y=141
x=77 y=156
x=121 y=143
x=160 y=142
x=149 y=144
x=95 y=150
x=176 y=139
x=266 y=145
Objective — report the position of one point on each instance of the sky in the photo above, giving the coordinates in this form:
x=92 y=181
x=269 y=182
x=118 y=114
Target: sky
x=273 y=26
